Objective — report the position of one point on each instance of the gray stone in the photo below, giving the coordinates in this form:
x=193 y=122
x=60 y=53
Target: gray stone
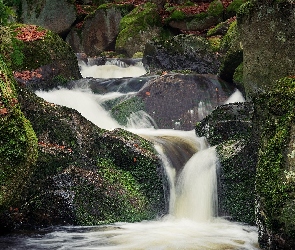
x=98 y=32
x=55 y=15
x=267 y=35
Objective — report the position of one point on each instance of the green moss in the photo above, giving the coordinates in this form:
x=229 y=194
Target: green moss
x=142 y=16
x=139 y=22
x=120 y=199
x=215 y=8
x=18 y=142
x=230 y=37
x=238 y=75
x=246 y=9
x=215 y=42
x=10 y=47
x=275 y=115
x=122 y=111
x=177 y=15
x=138 y=55
x=141 y=162
x=235 y=6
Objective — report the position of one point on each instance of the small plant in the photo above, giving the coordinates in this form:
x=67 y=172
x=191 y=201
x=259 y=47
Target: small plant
x=10 y=47
x=5 y=13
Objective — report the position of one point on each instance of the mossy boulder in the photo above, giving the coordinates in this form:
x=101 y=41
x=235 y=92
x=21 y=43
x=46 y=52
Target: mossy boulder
x=229 y=128
x=267 y=30
x=55 y=15
x=18 y=148
x=92 y=38
x=137 y=28
x=182 y=52
x=233 y=53
x=275 y=180
x=181 y=18
x=38 y=57
x=85 y=175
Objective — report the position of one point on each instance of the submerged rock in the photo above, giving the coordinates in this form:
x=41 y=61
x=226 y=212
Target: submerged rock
x=175 y=100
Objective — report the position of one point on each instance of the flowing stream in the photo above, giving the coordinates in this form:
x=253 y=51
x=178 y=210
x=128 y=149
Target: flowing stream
x=191 y=166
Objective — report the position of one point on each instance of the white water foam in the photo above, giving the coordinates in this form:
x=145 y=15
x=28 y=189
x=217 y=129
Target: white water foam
x=111 y=71
x=85 y=102
x=237 y=96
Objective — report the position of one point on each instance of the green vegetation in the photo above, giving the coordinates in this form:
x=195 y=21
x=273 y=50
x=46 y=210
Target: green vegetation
x=142 y=21
x=18 y=143
x=5 y=13
x=275 y=183
x=215 y=8
x=11 y=48
x=234 y=7
x=122 y=111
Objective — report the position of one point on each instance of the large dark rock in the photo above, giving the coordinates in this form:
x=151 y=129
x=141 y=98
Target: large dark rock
x=182 y=52
x=175 y=101
x=98 y=32
x=229 y=128
x=85 y=175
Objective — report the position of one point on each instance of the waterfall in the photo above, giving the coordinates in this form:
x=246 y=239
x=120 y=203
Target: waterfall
x=190 y=167
x=196 y=188
x=112 y=69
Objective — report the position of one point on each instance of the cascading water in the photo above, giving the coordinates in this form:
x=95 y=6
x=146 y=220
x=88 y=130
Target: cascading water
x=191 y=171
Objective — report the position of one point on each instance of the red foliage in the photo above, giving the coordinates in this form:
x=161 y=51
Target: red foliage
x=29 y=33
x=3 y=111
x=28 y=75
x=55 y=147
x=80 y=10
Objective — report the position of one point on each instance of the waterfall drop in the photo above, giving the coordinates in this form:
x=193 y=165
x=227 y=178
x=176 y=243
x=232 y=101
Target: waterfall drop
x=196 y=189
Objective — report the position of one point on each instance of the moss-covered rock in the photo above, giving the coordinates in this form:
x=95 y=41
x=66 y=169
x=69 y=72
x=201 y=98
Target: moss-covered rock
x=93 y=39
x=181 y=18
x=229 y=128
x=86 y=175
x=18 y=148
x=230 y=45
x=267 y=30
x=137 y=28
x=234 y=7
x=182 y=52
x=275 y=182
x=37 y=56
